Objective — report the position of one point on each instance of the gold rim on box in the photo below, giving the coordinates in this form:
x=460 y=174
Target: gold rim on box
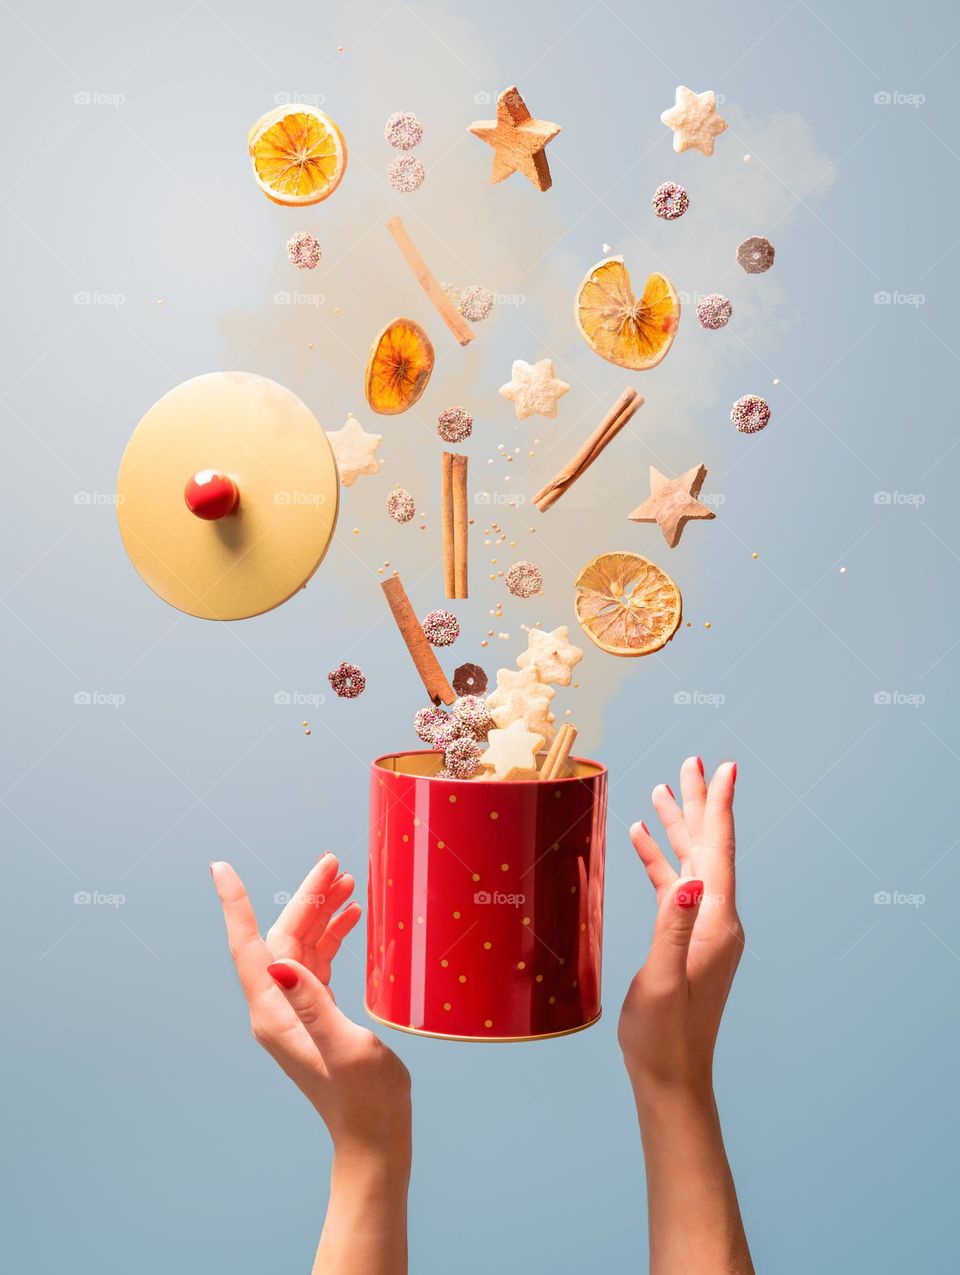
x=480 y=1040
x=425 y=762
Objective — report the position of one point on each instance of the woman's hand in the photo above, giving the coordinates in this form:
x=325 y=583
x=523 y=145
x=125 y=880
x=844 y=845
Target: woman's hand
x=671 y=1015
x=360 y=1088
x=669 y=1024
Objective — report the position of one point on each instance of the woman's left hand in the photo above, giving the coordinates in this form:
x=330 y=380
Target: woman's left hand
x=360 y=1088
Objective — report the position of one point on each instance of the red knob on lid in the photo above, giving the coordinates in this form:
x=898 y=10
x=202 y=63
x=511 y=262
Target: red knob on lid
x=211 y=495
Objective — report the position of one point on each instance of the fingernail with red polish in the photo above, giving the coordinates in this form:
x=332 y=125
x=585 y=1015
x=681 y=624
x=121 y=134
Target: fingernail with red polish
x=690 y=894
x=734 y=772
x=283 y=976
x=700 y=764
x=644 y=827
x=669 y=790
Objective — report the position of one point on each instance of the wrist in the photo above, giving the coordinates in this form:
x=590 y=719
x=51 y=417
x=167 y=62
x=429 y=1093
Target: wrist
x=384 y=1162
x=687 y=1099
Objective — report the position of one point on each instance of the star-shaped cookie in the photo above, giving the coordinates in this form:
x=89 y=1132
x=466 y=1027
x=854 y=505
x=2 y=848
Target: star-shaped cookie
x=354 y=450
x=673 y=502
x=521 y=696
x=551 y=655
x=534 y=389
x=512 y=752
x=518 y=140
x=694 y=121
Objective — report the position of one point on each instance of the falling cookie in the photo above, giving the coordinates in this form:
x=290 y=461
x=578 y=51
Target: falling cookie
x=354 y=450
x=534 y=389
x=551 y=655
x=518 y=140
x=512 y=752
x=673 y=502
x=694 y=121
x=756 y=254
x=521 y=696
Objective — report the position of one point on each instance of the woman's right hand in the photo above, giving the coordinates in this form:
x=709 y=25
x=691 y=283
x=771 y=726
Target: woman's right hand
x=669 y=1024
x=672 y=1011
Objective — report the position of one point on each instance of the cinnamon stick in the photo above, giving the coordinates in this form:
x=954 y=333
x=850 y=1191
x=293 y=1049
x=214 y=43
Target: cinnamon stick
x=446 y=514
x=421 y=652
x=611 y=425
x=460 y=527
x=564 y=742
x=427 y=280
x=546 y=766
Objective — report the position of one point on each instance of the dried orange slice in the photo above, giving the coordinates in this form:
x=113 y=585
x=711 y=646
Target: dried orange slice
x=298 y=154
x=621 y=329
x=399 y=366
x=627 y=605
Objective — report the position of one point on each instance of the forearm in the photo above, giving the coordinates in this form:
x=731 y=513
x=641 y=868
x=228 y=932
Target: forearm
x=694 y=1218
x=366 y=1223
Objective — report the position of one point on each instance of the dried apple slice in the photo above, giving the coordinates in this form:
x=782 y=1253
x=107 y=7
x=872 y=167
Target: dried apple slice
x=399 y=367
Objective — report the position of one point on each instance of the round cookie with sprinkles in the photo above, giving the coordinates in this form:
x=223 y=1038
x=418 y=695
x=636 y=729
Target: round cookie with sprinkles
x=462 y=758
x=403 y=130
x=755 y=255
x=441 y=628
x=750 y=414
x=427 y=721
x=400 y=505
x=472 y=712
x=476 y=303
x=454 y=424
x=670 y=201
x=449 y=733
x=524 y=579
x=304 y=250
x=347 y=680
x=714 y=311
x=406 y=174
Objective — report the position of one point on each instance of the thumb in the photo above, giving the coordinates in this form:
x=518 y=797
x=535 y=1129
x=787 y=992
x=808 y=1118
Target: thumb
x=312 y=1002
x=676 y=917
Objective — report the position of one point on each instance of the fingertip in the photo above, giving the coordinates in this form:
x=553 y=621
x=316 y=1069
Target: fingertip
x=283 y=975
x=689 y=893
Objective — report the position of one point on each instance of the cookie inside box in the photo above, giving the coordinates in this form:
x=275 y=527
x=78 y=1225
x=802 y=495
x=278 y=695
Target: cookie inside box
x=427 y=764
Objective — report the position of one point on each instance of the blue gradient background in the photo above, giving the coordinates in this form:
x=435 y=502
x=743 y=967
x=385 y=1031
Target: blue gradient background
x=144 y=1129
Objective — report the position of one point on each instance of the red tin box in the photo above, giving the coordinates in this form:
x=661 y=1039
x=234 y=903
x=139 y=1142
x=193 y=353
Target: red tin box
x=485 y=901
